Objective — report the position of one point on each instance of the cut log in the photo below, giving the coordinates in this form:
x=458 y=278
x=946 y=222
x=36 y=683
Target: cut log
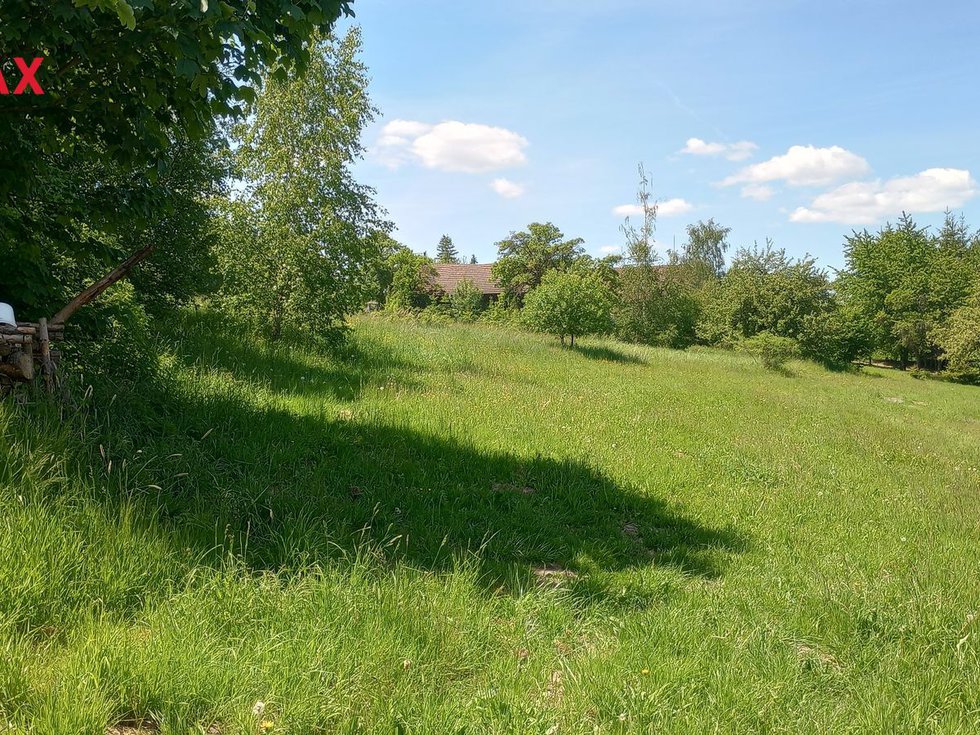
x=16 y=339
x=18 y=366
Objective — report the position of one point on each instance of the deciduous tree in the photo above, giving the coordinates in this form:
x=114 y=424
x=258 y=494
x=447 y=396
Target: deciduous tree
x=309 y=263
x=525 y=257
x=569 y=305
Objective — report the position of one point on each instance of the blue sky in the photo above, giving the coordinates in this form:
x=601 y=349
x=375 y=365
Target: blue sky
x=798 y=121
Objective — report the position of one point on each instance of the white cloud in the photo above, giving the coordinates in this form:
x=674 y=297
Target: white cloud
x=667 y=208
x=759 y=192
x=803 y=165
x=611 y=249
x=673 y=207
x=867 y=202
x=732 y=151
x=507 y=188
x=450 y=146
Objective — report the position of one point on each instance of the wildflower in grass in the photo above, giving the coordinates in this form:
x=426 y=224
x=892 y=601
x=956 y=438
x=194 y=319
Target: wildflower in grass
x=645 y=671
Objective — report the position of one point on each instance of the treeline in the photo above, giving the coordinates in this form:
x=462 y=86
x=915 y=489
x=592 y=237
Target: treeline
x=230 y=160
x=906 y=294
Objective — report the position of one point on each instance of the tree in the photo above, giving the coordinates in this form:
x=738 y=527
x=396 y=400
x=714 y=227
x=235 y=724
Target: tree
x=906 y=283
x=569 y=305
x=131 y=92
x=315 y=228
x=124 y=75
x=446 y=252
x=91 y=212
x=764 y=291
x=835 y=336
x=473 y=260
x=525 y=257
x=655 y=305
x=412 y=284
x=959 y=338
x=706 y=245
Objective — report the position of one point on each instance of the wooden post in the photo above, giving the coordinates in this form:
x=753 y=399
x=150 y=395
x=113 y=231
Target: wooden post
x=47 y=366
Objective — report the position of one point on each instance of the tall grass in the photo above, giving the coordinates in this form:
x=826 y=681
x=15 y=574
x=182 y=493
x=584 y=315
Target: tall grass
x=467 y=529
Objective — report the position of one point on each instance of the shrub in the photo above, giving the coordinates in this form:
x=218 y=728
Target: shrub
x=466 y=301
x=835 y=337
x=500 y=312
x=774 y=351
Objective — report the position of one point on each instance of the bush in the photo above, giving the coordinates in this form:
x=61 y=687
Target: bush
x=499 y=312
x=772 y=350
x=466 y=301
x=834 y=338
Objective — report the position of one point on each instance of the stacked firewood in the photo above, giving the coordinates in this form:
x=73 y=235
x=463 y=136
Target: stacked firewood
x=26 y=347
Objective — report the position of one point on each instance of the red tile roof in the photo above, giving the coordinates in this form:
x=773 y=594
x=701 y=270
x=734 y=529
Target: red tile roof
x=448 y=275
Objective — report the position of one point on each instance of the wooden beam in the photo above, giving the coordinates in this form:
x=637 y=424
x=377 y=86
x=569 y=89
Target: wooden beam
x=93 y=291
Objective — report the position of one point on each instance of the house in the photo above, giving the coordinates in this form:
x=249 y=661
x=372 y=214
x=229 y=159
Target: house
x=448 y=276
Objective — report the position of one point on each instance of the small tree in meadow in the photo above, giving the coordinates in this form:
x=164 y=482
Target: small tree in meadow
x=570 y=304
x=466 y=301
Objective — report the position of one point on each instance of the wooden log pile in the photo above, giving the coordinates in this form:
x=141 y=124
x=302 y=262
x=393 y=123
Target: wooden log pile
x=27 y=347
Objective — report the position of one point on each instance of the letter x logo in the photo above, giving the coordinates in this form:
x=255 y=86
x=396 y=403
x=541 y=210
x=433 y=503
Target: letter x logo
x=28 y=77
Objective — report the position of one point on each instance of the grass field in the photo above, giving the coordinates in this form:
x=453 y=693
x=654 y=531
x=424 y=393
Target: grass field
x=454 y=529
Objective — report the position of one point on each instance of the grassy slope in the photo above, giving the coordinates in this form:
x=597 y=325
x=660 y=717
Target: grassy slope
x=351 y=541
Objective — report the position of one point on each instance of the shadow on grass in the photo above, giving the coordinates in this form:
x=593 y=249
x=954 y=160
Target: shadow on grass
x=290 y=491
x=608 y=354
x=282 y=491
x=209 y=341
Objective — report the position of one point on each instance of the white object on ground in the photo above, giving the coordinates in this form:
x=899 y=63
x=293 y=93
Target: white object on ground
x=7 y=314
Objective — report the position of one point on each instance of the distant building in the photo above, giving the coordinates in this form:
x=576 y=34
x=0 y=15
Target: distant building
x=448 y=275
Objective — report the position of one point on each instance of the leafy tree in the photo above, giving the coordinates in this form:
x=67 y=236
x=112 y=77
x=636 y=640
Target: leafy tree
x=315 y=228
x=412 y=285
x=446 y=252
x=705 y=249
x=383 y=267
x=92 y=212
x=125 y=75
x=525 y=257
x=569 y=305
x=466 y=301
x=835 y=336
x=959 y=338
x=764 y=291
x=119 y=152
x=655 y=304
x=906 y=283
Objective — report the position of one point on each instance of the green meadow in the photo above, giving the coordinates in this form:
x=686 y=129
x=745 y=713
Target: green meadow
x=467 y=529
